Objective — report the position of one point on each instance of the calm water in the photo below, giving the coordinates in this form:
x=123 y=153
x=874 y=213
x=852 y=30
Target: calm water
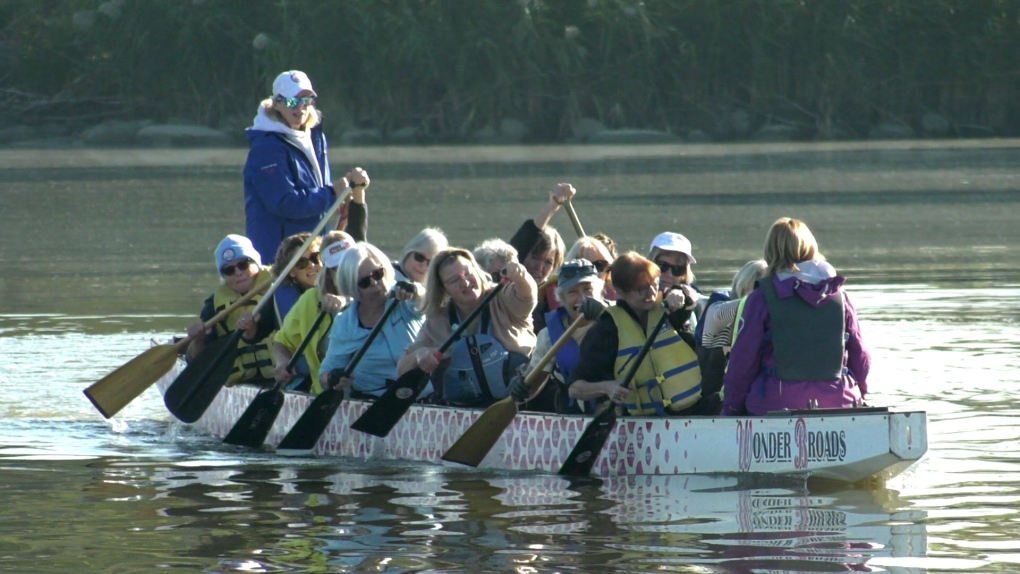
x=103 y=250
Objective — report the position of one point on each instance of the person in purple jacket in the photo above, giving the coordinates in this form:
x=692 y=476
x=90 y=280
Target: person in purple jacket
x=798 y=343
x=287 y=183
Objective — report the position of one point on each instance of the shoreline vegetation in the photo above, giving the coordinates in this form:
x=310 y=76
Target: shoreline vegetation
x=127 y=73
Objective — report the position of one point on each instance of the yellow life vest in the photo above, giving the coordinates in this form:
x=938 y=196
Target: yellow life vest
x=668 y=379
x=253 y=359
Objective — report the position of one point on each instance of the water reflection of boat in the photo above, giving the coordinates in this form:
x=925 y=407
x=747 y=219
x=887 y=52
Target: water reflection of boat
x=846 y=447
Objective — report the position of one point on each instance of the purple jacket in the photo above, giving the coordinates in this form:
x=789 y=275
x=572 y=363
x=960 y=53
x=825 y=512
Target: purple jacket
x=750 y=389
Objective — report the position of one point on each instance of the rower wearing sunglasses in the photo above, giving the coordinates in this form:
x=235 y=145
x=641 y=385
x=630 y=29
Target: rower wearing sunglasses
x=671 y=252
x=287 y=181
x=365 y=275
x=240 y=268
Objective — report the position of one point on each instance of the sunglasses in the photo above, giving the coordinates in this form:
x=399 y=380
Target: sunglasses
x=304 y=262
x=674 y=270
x=601 y=265
x=228 y=270
x=294 y=103
x=420 y=258
x=366 y=281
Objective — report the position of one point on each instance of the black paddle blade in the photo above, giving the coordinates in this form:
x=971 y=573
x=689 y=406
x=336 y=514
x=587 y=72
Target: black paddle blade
x=386 y=411
x=582 y=459
x=254 y=425
x=313 y=422
x=194 y=389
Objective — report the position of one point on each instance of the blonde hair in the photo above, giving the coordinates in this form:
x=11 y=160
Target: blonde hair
x=789 y=242
x=744 y=279
x=314 y=118
x=592 y=244
x=436 y=298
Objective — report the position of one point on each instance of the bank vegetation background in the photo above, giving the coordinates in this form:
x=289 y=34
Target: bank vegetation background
x=822 y=69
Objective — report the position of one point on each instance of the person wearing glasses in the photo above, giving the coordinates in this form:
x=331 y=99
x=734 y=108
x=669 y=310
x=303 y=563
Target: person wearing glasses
x=323 y=297
x=240 y=269
x=501 y=338
x=287 y=181
x=580 y=290
x=671 y=253
x=798 y=343
x=601 y=258
x=668 y=380
x=418 y=253
x=302 y=275
x=366 y=276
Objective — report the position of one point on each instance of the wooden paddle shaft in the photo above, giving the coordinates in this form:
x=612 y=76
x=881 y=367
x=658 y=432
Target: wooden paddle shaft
x=312 y=236
x=573 y=218
x=537 y=372
x=180 y=345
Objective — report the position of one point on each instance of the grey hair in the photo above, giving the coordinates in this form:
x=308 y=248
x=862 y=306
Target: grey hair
x=743 y=280
x=492 y=248
x=350 y=263
x=430 y=240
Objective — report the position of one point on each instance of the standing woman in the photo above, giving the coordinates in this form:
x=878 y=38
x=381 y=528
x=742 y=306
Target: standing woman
x=287 y=182
x=455 y=287
x=323 y=297
x=798 y=343
x=365 y=275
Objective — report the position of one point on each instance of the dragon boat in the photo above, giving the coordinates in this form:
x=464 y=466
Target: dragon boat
x=844 y=445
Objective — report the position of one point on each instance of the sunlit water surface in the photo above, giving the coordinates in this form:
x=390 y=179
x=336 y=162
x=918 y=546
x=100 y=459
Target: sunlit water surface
x=99 y=257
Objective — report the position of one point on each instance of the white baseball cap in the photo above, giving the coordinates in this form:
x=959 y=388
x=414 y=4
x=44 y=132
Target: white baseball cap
x=291 y=83
x=669 y=241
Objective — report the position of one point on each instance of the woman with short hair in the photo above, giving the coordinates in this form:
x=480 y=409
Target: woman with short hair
x=366 y=276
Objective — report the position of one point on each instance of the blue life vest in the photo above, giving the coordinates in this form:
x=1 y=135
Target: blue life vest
x=480 y=367
x=569 y=355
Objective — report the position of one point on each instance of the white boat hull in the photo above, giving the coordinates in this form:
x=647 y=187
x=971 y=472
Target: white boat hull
x=843 y=447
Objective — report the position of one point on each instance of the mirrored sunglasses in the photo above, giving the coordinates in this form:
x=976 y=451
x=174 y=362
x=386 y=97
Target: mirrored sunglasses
x=304 y=262
x=293 y=103
x=366 y=281
x=228 y=270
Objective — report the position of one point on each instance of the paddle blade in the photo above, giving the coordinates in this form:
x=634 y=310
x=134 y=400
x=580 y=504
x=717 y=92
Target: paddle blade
x=582 y=459
x=387 y=410
x=313 y=422
x=478 y=440
x=114 y=391
x=194 y=389
x=254 y=425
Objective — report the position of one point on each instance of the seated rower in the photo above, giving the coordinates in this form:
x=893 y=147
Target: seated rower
x=366 y=275
x=300 y=278
x=541 y=250
x=323 y=297
x=415 y=257
x=502 y=335
x=240 y=269
x=579 y=289
x=798 y=343
x=493 y=254
x=668 y=381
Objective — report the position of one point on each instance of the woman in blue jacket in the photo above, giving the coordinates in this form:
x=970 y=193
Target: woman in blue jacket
x=287 y=182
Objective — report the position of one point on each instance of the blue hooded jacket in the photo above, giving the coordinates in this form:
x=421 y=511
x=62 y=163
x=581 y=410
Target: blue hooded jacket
x=284 y=192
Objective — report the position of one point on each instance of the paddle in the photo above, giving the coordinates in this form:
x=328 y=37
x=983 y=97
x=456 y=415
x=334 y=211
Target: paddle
x=193 y=391
x=387 y=410
x=481 y=436
x=313 y=422
x=573 y=218
x=114 y=391
x=581 y=460
x=252 y=428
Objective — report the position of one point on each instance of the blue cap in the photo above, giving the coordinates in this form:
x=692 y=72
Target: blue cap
x=234 y=248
